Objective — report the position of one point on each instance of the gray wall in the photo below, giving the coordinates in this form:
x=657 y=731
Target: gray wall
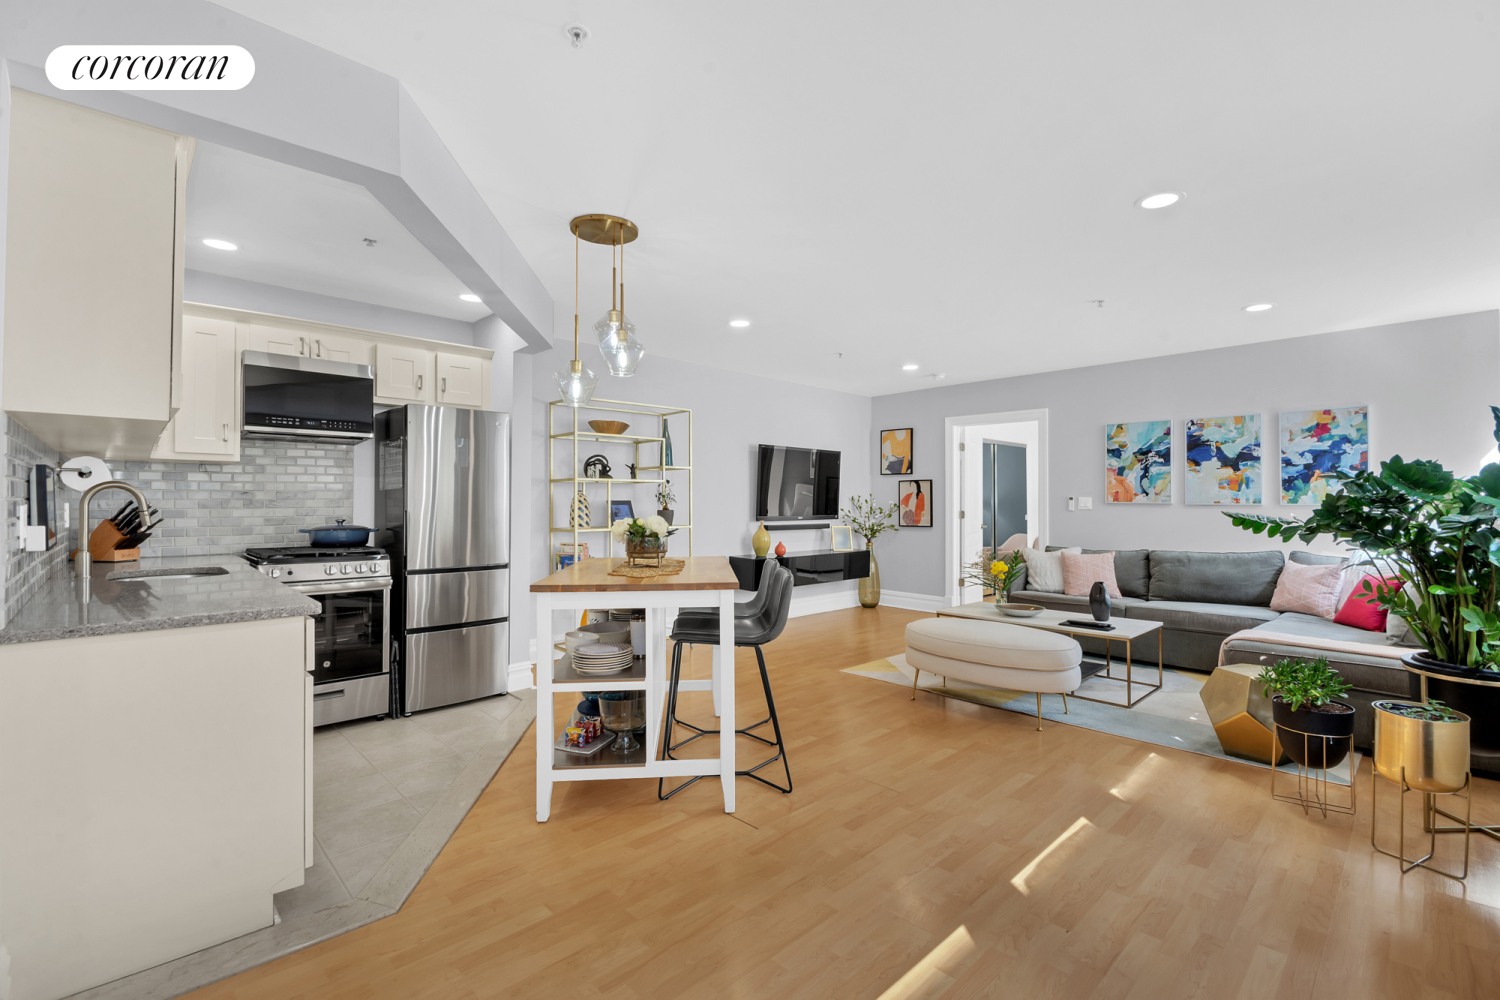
x=732 y=413
x=1427 y=383
x=24 y=571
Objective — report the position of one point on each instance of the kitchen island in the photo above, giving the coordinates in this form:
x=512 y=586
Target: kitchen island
x=588 y=584
x=155 y=765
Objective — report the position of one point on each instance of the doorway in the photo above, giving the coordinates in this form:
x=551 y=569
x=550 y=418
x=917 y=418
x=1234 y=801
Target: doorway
x=997 y=489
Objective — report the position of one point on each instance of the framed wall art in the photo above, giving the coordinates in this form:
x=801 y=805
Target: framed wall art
x=1223 y=460
x=915 y=498
x=621 y=509
x=1138 y=462
x=896 y=452
x=1317 y=443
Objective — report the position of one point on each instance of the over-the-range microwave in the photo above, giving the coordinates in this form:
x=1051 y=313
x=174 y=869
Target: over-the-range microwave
x=307 y=398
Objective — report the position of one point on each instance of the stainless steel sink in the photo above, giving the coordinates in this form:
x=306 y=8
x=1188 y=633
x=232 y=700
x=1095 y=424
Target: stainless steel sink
x=188 y=573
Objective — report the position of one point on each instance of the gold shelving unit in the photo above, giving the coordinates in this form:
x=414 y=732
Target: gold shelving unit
x=569 y=425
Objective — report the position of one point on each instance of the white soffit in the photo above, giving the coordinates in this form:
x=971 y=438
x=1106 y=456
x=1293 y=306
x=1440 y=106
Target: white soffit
x=955 y=185
x=304 y=230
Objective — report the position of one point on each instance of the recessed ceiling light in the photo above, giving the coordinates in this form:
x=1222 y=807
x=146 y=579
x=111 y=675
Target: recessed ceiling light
x=220 y=244
x=1160 y=200
x=470 y=297
x=908 y=368
x=1259 y=307
x=939 y=376
x=739 y=324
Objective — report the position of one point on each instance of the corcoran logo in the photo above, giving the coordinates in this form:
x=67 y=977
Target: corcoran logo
x=150 y=67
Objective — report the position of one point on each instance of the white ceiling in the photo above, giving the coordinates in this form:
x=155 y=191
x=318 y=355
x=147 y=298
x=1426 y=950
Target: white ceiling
x=303 y=230
x=952 y=185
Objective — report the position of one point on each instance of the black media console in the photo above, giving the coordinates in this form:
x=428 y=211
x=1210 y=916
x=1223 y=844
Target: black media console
x=822 y=566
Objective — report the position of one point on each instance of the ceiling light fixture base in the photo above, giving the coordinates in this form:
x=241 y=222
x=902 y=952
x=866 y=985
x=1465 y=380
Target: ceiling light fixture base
x=607 y=230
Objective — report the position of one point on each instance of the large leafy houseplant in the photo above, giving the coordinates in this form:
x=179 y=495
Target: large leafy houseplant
x=1437 y=531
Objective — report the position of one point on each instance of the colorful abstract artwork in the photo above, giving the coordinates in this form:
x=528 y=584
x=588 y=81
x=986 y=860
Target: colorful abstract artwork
x=1315 y=444
x=1138 y=462
x=895 y=452
x=916 y=502
x=1223 y=460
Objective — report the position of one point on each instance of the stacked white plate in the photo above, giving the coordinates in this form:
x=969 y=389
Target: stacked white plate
x=626 y=615
x=603 y=657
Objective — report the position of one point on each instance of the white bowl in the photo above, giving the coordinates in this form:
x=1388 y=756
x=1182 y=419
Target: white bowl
x=1020 y=610
x=580 y=638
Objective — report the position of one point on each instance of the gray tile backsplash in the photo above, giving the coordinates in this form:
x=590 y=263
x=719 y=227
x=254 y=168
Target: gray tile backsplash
x=210 y=509
x=24 y=571
x=207 y=509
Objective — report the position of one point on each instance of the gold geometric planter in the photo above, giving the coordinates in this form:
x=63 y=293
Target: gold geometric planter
x=1240 y=713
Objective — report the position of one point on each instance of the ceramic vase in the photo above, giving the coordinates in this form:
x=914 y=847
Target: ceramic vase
x=781 y=548
x=761 y=541
x=666 y=445
x=578 y=511
x=1099 y=602
x=869 y=586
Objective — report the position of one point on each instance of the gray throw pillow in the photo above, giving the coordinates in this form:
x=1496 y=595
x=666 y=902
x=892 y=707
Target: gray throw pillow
x=1314 y=558
x=1215 y=577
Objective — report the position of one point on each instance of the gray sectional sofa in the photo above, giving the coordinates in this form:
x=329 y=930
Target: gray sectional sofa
x=1201 y=598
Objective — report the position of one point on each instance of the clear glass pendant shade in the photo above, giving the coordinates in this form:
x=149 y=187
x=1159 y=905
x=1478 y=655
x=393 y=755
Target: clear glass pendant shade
x=576 y=387
x=617 y=343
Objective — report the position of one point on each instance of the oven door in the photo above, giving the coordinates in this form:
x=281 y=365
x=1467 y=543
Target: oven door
x=352 y=632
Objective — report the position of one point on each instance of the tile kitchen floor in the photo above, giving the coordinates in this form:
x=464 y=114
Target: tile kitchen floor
x=372 y=782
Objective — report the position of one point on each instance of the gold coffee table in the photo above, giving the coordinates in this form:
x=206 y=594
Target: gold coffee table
x=1126 y=630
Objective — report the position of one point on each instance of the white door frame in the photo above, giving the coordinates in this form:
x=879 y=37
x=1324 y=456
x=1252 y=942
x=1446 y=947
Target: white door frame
x=952 y=435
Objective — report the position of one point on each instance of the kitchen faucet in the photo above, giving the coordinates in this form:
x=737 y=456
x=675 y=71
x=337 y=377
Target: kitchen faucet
x=83 y=562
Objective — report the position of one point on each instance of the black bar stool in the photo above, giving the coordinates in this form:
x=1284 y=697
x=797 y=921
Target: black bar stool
x=756 y=631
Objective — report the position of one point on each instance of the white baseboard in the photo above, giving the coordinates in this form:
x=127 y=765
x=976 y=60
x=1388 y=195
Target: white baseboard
x=816 y=604
x=913 y=602
x=519 y=677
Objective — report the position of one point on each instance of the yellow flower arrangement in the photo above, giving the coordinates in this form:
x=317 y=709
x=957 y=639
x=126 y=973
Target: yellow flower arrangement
x=994 y=575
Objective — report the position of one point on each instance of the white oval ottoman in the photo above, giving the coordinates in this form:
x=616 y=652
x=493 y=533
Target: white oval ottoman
x=997 y=655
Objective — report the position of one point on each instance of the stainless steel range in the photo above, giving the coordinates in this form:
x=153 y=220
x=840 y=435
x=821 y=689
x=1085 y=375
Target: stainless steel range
x=352 y=669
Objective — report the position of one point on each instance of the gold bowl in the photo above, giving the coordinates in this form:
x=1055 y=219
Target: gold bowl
x=609 y=426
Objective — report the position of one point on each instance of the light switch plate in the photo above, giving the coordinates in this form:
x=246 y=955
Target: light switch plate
x=1085 y=503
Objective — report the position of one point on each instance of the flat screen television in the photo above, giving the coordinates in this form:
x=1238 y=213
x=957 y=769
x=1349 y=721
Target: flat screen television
x=796 y=484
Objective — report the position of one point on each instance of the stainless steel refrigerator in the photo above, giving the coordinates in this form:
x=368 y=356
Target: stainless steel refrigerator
x=442 y=498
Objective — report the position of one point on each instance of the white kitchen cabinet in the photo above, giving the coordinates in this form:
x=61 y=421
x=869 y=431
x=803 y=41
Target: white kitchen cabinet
x=462 y=380
x=275 y=340
x=332 y=347
x=164 y=816
x=208 y=423
x=93 y=250
x=403 y=374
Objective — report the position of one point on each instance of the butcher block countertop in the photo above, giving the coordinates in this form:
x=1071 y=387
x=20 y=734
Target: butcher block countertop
x=592 y=575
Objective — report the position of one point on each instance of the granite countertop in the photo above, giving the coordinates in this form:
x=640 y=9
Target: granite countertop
x=241 y=594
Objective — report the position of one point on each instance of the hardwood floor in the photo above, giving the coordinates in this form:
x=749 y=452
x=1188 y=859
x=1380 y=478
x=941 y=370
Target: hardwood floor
x=931 y=848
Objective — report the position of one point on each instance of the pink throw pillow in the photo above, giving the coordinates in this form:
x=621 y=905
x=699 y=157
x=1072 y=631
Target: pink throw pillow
x=1308 y=590
x=1360 y=609
x=1081 y=572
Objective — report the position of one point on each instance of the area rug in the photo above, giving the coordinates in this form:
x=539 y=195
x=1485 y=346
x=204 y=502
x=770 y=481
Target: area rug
x=1172 y=717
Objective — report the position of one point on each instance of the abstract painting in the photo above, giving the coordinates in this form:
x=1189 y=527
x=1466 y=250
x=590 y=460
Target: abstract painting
x=1223 y=460
x=1138 y=462
x=1315 y=444
x=916 y=502
x=895 y=452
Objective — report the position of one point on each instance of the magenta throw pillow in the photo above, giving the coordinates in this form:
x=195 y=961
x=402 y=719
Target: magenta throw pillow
x=1360 y=609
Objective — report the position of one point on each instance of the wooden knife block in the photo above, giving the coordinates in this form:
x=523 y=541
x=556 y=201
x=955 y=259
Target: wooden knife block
x=102 y=541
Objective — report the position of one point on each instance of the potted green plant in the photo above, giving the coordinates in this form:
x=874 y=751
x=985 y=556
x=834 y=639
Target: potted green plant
x=645 y=538
x=1438 y=532
x=871 y=520
x=1427 y=746
x=664 y=500
x=1315 y=728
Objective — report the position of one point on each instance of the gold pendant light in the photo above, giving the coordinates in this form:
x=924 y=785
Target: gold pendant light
x=621 y=351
